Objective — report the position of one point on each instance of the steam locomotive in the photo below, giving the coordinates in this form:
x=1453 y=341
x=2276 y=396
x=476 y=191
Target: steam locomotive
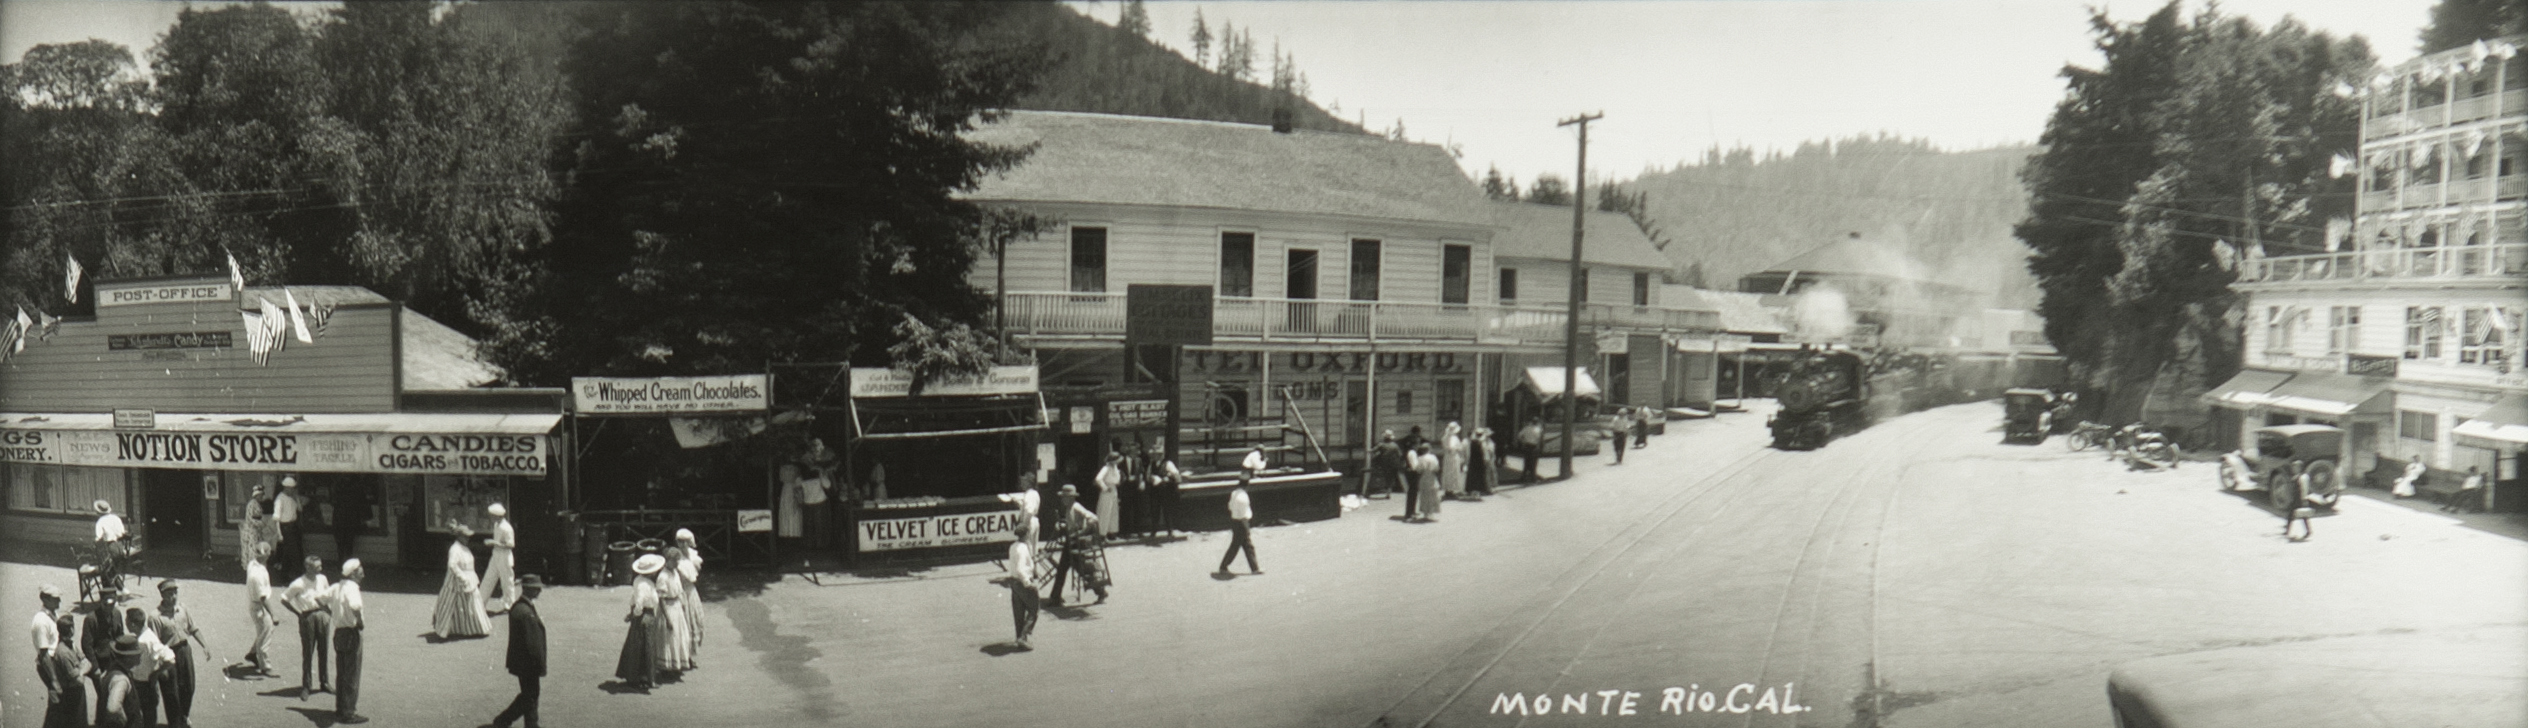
x=1822 y=394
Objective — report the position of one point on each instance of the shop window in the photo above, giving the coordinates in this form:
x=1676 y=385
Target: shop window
x=65 y=489
x=1237 y=264
x=2343 y=329
x=2412 y=425
x=236 y=488
x=2422 y=332
x=1088 y=259
x=1457 y=270
x=1365 y=270
x=1452 y=400
x=1509 y=285
x=461 y=498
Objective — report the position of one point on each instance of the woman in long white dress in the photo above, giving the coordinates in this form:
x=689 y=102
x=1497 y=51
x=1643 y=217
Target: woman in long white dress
x=1453 y=461
x=1110 y=480
x=690 y=571
x=675 y=641
x=460 y=611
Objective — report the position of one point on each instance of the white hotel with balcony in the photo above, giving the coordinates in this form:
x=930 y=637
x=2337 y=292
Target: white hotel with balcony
x=2409 y=334
x=1361 y=284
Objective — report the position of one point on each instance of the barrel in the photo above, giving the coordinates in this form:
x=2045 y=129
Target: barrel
x=619 y=556
x=652 y=547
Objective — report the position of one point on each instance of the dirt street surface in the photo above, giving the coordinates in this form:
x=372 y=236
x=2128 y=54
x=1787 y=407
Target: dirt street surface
x=1918 y=573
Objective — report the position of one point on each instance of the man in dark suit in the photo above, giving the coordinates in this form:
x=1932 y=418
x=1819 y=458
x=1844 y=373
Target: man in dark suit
x=526 y=653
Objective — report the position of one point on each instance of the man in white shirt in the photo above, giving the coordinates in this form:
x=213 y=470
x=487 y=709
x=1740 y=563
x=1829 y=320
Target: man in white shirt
x=1254 y=462
x=1023 y=600
x=148 y=667
x=285 y=512
x=1241 y=511
x=305 y=598
x=109 y=526
x=342 y=609
x=502 y=573
x=47 y=636
x=259 y=607
x=1029 y=502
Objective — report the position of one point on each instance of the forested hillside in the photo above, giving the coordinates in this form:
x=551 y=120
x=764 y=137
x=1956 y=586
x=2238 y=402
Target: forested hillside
x=1114 y=70
x=1733 y=213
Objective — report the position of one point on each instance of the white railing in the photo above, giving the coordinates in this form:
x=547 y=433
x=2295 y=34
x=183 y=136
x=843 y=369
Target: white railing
x=1101 y=315
x=2508 y=260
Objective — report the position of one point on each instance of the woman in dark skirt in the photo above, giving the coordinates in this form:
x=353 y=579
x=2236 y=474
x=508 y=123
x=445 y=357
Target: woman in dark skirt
x=638 y=664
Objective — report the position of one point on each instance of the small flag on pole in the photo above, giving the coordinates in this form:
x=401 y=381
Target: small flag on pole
x=24 y=325
x=255 y=344
x=298 y=324
x=70 y=278
x=2339 y=166
x=11 y=338
x=51 y=324
x=318 y=312
x=275 y=327
x=236 y=275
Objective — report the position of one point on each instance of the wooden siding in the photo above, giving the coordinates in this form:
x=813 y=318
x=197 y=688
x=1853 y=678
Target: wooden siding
x=351 y=369
x=1546 y=282
x=1182 y=246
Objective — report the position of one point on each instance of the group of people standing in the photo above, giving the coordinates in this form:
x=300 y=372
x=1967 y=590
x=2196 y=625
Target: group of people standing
x=663 y=627
x=1457 y=466
x=126 y=665
x=1136 y=489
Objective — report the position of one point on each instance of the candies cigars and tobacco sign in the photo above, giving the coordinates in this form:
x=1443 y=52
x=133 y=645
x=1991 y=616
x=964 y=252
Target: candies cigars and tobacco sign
x=676 y=395
x=310 y=452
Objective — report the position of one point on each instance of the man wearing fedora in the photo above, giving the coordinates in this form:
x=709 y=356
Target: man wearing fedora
x=1078 y=526
x=285 y=513
x=305 y=598
x=343 y=606
x=526 y=653
x=174 y=625
x=501 y=573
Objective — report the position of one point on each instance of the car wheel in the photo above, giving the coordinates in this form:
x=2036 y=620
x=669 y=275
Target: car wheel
x=2282 y=487
x=2324 y=488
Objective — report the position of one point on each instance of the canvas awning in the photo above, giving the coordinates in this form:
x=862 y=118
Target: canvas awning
x=2504 y=427
x=936 y=417
x=2327 y=394
x=2245 y=390
x=1546 y=382
x=427 y=423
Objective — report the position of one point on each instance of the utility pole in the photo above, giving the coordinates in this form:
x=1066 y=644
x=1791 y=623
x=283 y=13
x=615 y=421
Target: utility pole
x=1571 y=319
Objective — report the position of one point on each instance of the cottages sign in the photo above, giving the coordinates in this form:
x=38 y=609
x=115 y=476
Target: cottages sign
x=878 y=383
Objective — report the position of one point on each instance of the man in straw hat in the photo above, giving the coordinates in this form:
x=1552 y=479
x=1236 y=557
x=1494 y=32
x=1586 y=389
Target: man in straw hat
x=1078 y=526
x=285 y=513
x=526 y=653
x=259 y=608
x=305 y=599
x=47 y=635
x=501 y=574
x=343 y=606
x=174 y=625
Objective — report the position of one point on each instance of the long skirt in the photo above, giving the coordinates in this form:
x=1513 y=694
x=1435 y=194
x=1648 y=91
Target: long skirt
x=637 y=664
x=673 y=638
x=460 y=611
x=693 y=620
x=1430 y=500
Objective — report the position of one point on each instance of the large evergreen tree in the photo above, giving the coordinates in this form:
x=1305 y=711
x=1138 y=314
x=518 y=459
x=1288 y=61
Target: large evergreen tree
x=2456 y=23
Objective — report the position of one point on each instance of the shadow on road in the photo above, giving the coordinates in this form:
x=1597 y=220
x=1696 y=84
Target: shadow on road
x=785 y=658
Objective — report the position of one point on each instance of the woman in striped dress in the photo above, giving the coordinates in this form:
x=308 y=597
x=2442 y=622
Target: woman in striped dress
x=460 y=610
x=675 y=635
x=690 y=571
x=637 y=665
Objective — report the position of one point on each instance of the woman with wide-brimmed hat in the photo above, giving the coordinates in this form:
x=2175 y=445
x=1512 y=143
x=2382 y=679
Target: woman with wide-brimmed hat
x=460 y=611
x=689 y=571
x=637 y=664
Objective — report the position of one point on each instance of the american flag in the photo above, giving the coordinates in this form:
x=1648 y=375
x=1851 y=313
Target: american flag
x=70 y=278
x=318 y=312
x=256 y=344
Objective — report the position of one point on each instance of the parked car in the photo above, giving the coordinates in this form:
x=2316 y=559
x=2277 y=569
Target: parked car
x=2290 y=463
x=2026 y=415
x=2474 y=677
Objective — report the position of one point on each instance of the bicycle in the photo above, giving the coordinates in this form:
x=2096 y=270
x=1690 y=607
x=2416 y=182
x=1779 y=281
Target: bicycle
x=2088 y=435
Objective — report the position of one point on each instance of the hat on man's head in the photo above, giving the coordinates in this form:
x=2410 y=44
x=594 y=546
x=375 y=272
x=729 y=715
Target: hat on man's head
x=684 y=535
x=461 y=530
x=126 y=645
x=530 y=581
x=102 y=506
x=166 y=586
x=649 y=564
x=1070 y=491
x=351 y=568
x=289 y=481
x=497 y=510
x=48 y=591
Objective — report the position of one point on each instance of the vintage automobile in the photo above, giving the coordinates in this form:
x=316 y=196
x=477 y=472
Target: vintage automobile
x=2026 y=415
x=2468 y=677
x=2285 y=459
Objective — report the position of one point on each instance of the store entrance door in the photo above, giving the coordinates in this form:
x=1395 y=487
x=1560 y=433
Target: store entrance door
x=173 y=511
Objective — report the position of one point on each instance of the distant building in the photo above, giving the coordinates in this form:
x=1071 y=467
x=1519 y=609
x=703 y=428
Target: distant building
x=2408 y=334
x=1867 y=292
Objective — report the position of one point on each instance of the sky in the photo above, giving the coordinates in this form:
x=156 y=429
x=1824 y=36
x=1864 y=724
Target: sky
x=1673 y=77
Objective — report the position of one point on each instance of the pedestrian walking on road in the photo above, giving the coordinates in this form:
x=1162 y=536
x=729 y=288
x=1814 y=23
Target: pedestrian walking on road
x=1024 y=602
x=502 y=575
x=1241 y=511
x=1619 y=430
x=1483 y=463
x=286 y=512
x=1426 y=478
x=637 y=664
x=305 y=599
x=1452 y=462
x=675 y=640
x=1079 y=537
x=459 y=613
x=343 y=607
x=526 y=654
x=1641 y=426
x=1165 y=489
x=147 y=668
x=1386 y=467
x=174 y=626
x=689 y=572
x=259 y=608
x=1532 y=445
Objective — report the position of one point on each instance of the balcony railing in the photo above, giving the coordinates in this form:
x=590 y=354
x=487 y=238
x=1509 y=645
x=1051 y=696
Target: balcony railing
x=1101 y=315
x=2436 y=115
x=2471 y=261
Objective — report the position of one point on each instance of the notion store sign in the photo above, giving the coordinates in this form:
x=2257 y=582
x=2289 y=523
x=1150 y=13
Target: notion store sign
x=297 y=452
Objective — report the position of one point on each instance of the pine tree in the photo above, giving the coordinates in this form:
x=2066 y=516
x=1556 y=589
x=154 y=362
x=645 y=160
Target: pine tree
x=1134 y=19
x=2456 y=23
x=1202 y=40
x=1498 y=187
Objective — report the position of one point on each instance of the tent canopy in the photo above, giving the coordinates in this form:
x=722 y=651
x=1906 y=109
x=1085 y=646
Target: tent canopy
x=2247 y=389
x=1546 y=382
x=2504 y=427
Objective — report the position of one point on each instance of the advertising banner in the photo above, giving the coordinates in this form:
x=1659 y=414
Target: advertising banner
x=670 y=395
x=880 y=383
x=955 y=529
x=303 y=452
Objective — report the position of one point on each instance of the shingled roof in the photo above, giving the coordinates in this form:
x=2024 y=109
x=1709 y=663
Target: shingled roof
x=1534 y=231
x=1134 y=160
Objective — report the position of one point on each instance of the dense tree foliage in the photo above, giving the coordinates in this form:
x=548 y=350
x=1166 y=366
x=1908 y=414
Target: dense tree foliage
x=2197 y=137
x=2456 y=23
x=1099 y=68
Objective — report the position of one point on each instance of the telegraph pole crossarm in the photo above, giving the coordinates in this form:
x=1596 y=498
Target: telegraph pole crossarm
x=1571 y=317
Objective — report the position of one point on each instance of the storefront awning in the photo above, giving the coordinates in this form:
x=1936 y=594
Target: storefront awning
x=2327 y=394
x=431 y=423
x=2245 y=390
x=1546 y=382
x=2504 y=427
x=935 y=417
x=386 y=442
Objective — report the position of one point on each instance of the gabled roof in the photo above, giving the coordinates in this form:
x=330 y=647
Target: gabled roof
x=1134 y=160
x=435 y=357
x=1535 y=232
x=1855 y=255
x=1740 y=313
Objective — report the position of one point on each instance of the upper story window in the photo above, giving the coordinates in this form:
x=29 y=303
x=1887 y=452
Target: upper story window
x=1509 y=285
x=2343 y=329
x=1088 y=259
x=1237 y=264
x=2422 y=332
x=2278 y=322
x=1457 y=271
x=1641 y=289
x=2487 y=336
x=1364 y=269
x=2429 y=93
